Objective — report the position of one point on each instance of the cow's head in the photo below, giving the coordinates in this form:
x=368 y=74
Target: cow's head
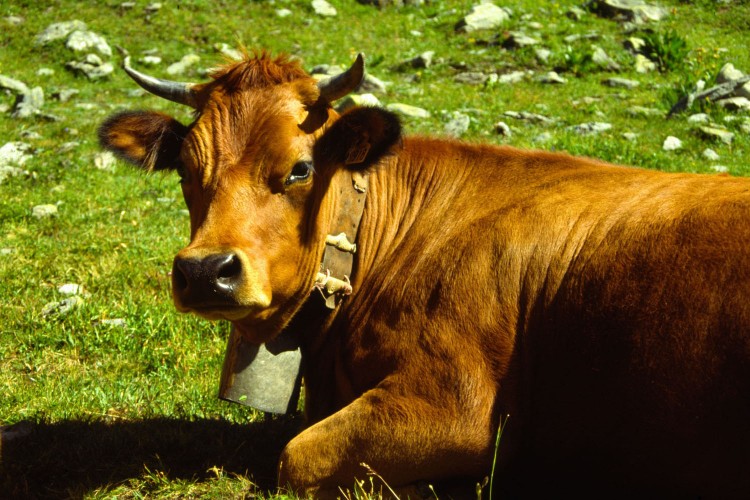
x=247 y=176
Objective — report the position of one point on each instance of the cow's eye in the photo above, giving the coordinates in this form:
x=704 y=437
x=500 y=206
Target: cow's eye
x=300 y=172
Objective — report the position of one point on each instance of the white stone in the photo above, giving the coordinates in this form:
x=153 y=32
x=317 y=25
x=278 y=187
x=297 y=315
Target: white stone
x=15 y=153
x=728 y=73
x=150 y=60
x=44 y=211
x=721 y=169
x=671 y=143
x=353 y=100
x=720 y=134
x=408 y=110
x=710 y=154
x=485 y=16
x=81 y=41
x=283 y=12
x=105 y=161
x=591 y=128
x=323 y=8
x=502 y=128
x=699 y=118
x=58 y=31
x=183 y=64
x=70 y=289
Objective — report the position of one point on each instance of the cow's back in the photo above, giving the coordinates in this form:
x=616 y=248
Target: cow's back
x=639 y=336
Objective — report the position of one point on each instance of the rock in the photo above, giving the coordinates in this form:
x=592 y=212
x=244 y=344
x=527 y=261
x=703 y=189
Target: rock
x=635 y=11
x=58 y=31
x=699 y=118
x=14 y=20
x=91 y=67
x=542 y=55
x=643 y=64
x=62 y=307
x=181 y=66
x=710 y=154
x=45 y=72
x=323 y=8
x=152 y=8
x=284 y=13
x=671 y=143
x=552 y=77
x=529 y=117
x=408 y=111
x=735 y=103
x=150 y=60
x=543 y=137
x=85 y=41
x=5 y=252
x=642 y=112
x=514 y=77
x=720 y=169
x=423 y=60
x=15 y=153
x=64 y=95
x=471 y=78
x=635 y=44
x=127 y=5
x=590 y=128
x=228 y=51
x=7 y=171
x=502 y=128
x=715 y=133
x=70 y=289
x=602 y=59
x=372 y=85
x=630 y=136
x=458 y=124
x=44 y=211
x=621 y=83
x=15 y=86
x=485 y=16
x=353 y=100
x=728 y=73
x=105 y=160
x=575 y=13
x=28 y=104
x=518 y=40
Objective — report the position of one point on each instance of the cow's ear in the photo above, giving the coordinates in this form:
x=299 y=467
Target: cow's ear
x=358 y=139
x=147 y=139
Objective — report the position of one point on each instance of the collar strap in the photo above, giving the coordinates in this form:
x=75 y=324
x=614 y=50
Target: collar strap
x=333 y=280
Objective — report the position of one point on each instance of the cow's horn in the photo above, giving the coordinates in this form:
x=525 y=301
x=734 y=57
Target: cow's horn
x=181 y=93
x=338 y=86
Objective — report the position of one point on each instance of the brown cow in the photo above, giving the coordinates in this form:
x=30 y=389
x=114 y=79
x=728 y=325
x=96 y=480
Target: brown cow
x=605 y=309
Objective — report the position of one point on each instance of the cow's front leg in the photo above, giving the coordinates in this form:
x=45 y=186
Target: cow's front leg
x=404 y=439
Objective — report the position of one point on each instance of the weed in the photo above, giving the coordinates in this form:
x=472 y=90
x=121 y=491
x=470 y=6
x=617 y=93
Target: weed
x=668 y=50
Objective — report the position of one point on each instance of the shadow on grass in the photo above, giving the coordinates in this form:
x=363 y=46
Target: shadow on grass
x=67 y=459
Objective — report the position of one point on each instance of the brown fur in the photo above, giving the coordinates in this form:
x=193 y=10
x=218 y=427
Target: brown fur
x=605 y=309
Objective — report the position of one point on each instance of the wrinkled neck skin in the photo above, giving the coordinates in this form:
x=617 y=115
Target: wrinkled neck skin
x=405 y=190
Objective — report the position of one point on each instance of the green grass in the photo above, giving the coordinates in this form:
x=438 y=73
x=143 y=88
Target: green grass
x=131 y=411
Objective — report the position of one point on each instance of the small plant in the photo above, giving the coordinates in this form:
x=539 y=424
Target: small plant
x=669 y=50
x=577 y=61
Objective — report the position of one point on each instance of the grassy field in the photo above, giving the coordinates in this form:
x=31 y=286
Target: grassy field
x=117 y=398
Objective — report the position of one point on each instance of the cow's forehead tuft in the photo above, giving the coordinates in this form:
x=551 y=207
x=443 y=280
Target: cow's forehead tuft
x=258 y=70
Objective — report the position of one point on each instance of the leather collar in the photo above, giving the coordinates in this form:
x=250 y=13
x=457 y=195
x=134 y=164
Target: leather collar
x=333 y=279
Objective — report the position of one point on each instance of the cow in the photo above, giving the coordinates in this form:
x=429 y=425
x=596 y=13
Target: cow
x=598 y=315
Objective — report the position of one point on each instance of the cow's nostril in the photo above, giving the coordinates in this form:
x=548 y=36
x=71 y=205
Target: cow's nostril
x=179 y=281
x=230 y=269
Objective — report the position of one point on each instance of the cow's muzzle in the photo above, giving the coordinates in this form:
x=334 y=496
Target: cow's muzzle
x=207 y=283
